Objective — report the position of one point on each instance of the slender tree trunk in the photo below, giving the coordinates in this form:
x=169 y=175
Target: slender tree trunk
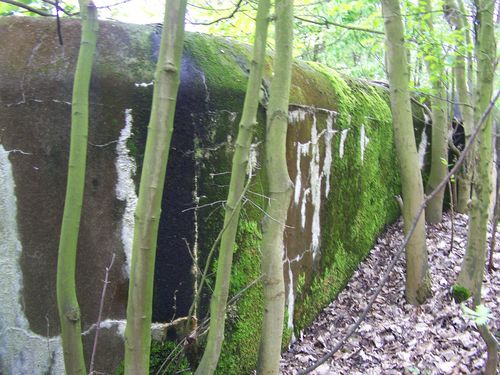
x=458 y=21
x=471 y=273
x=417 y=270
x=280 y=192
x=239 y=170
x=67 y=302
x=147 y=215
x=439 y=143
x=494 y=224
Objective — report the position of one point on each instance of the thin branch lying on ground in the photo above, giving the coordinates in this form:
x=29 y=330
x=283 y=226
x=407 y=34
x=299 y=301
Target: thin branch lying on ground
x=401 y=248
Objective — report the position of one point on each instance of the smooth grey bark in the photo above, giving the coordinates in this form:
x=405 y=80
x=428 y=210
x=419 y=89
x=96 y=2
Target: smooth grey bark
x=148 y=211
x=280 y=193
x=471 y=273
x=417 y=269
x=67 y=302
x=439 y=106
x=462 y=70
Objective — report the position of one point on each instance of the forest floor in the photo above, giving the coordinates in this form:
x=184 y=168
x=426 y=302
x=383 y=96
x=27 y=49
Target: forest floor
x=397 y=338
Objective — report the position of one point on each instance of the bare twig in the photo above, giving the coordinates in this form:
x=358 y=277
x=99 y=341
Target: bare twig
x=407 y=237
x=214 y=245
x=202 y=327
x=99 y=317
x=58 y=21
x=231 y=15
x=27 y=7
x=53 y=3
x=326 y=22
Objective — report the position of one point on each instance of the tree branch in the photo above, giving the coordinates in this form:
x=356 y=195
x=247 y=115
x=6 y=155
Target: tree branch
x=326 y=22
x=231 y=15
x=401 y=248
x=27 y=7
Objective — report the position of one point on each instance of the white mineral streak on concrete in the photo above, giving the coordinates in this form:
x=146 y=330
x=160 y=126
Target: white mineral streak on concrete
x=343 y=137
x=118 y=324
x=291 y=301
x=205 y=86
x=363 y=142
x=21 y=350
x=303 y=208
x=302 y=149
x=253 y=160
x=297 y=115
x=422 y=148
x=144 y=84
x=327 y=163
x=315 y=183
x=125 y=188
x=195 y=267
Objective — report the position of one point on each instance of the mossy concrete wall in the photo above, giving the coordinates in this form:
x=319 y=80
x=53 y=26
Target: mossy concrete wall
x=340 y=157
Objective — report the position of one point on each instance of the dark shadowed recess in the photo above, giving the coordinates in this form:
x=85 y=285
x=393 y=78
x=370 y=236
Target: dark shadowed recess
x=173 y=289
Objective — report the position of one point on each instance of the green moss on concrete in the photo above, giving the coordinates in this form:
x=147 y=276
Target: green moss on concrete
x=360 y=204
x=244 y=318
x=165 y=358
x=225 y=67
x=361 y=201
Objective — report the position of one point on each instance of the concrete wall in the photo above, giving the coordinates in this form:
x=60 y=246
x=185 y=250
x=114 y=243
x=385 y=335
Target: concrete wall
x=340 y=154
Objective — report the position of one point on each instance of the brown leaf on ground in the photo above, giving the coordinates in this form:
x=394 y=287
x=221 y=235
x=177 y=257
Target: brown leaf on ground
x=397 y=338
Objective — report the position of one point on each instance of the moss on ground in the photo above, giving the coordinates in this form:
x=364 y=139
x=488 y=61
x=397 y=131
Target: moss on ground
x=460 y=293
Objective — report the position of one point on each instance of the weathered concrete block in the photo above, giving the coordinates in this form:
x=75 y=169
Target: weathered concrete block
x=340 y=157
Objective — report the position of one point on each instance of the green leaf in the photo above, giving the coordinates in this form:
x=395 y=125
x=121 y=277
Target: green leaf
x=481 y=315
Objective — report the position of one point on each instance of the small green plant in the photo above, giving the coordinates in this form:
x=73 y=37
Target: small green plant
x=480 y=316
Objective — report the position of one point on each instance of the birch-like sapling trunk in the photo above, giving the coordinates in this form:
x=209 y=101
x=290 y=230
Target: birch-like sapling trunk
x=418 y=281
x=280 y=191
x=470 y=278
x=147 y=215
x=458 y=21
x=471 y=273
x=239 y=170
x=67 y=302
x=439 y=106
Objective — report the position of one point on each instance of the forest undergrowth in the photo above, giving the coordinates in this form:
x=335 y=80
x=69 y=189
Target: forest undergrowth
x=396 y=337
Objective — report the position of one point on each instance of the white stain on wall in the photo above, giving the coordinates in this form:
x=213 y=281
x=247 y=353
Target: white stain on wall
x=297 y=115
x=315 y=185
x=343 y=137
x=327 y=163
x=422 y=148
x=363 y=142
x=125 y=188
x=21 y=350
x=307 y=192
x=290 y=302
x=302 y=149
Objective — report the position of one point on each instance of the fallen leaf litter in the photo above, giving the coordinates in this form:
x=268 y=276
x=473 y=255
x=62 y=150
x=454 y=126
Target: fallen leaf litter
x=397 y=338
